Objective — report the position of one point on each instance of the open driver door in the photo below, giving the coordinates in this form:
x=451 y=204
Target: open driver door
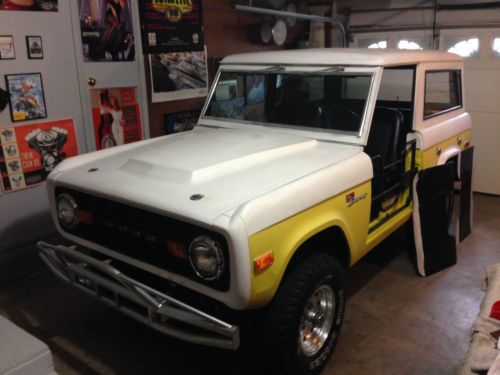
x=435 y=244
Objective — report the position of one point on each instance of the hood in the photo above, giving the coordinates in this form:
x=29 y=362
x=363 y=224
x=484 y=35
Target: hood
x=228 y=167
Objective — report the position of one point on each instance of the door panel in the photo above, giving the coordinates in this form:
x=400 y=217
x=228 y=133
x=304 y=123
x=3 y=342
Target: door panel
x=435 y=247
x=114 y=74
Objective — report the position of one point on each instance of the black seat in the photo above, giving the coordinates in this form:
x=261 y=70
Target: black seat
x=386 y=144
x=386 y=135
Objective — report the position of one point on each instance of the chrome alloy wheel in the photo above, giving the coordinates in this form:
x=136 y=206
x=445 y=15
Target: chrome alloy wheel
x=316 y=321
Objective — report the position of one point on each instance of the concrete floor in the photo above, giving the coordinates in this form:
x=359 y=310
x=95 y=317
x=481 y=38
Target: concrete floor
x=395 y=323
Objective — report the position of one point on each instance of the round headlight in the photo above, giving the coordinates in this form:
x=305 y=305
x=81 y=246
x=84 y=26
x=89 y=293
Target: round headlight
x=206 y=258
x=67 y=211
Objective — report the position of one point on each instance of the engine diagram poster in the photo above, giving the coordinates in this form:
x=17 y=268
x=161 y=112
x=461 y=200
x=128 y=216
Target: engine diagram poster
x=172 y=25
x=28 y=153
x=116 y=116
x=178 y=75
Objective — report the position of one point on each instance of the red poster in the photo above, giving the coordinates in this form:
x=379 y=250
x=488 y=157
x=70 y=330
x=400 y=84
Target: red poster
x=28 y=153
x=116 y=116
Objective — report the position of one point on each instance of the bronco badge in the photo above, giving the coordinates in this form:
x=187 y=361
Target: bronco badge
x=351 y=198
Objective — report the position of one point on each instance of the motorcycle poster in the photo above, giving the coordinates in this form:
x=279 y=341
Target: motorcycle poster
x=27 y=100
x=116 y=116
x=28 y=153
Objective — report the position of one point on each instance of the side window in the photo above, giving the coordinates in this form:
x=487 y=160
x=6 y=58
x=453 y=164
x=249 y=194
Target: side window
x=409 y=44
x=372 y=43
x=442 y=92
x=496 y=47
x=381 y=44
x=462 y=47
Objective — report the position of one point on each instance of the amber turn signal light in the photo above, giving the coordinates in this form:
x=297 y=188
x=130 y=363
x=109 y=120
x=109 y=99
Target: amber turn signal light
x=85 y=217
x=177 y=249
x=263 y=262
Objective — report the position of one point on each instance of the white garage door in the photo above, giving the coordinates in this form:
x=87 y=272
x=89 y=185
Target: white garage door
x=482 y=95
x=482 y=89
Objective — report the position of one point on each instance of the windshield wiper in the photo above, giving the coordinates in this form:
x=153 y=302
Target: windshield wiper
x=333 y=69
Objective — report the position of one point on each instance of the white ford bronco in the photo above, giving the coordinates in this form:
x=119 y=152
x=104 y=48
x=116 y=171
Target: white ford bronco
x=301 y=163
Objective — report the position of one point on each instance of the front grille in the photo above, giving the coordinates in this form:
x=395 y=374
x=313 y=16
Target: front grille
x=141 y=234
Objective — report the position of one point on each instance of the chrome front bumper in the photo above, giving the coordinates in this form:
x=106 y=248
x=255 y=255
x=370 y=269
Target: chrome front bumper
x=161 y=311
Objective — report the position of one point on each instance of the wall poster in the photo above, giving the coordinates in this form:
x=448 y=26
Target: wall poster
x=172 y=25
x=27 y=100
x=181 y=121
x=178 y=75
x=32 y=5
x=28 y=153
x=7 y=51
x=107 y=32
x=116 y=116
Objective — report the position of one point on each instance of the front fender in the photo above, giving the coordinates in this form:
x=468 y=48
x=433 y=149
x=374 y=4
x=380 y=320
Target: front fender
x=287 y=236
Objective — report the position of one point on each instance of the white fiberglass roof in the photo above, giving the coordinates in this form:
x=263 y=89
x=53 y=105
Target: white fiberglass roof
x=343 y=56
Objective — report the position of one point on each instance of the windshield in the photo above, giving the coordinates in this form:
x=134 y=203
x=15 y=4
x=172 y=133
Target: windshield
x=333 y=101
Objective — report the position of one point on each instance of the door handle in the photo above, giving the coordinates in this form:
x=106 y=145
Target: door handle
x=91 y=81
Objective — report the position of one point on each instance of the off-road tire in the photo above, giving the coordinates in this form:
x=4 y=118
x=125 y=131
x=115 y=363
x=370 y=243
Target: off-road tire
x=280 y=333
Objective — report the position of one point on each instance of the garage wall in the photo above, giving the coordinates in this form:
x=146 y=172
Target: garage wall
x=24 y=215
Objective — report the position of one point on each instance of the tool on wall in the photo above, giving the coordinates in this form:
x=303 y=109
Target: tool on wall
x=268 y=32
x=280 y=16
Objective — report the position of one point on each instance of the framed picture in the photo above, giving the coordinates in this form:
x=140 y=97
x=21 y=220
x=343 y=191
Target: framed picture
x=178 y=75
x=34 y=46
x=181 y=121
x=27 y=100
x=7 y=47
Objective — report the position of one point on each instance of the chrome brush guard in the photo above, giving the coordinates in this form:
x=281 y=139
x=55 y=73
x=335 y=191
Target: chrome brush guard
x=114 y=288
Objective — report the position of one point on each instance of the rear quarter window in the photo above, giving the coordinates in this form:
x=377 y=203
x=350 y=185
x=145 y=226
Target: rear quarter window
x=442 y=92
